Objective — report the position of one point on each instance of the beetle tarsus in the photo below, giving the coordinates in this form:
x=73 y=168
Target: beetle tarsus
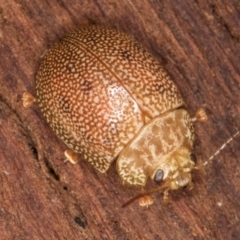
x=166 y=197
x=28 y=99
x=71 y=156
x=145 y=201
x=200 y=116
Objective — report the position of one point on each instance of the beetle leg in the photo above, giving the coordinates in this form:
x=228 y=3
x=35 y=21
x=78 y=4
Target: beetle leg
x=145 y=201
x=71 y=156
x=28 y=99
x=166 y=197
x=200 y=116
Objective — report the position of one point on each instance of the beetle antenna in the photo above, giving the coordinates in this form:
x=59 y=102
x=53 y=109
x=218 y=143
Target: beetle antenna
x=222 y=147
x=140 y=195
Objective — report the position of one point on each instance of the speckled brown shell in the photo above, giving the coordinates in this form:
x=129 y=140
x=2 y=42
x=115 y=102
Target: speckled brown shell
x=97 y=88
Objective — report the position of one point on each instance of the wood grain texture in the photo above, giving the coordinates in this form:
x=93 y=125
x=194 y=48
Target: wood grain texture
x=44 y=197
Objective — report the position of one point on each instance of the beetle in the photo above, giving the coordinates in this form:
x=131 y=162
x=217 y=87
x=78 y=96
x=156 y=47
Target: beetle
x=108 y=98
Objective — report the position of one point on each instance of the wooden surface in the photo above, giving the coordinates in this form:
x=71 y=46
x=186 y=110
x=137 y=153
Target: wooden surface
x=44 y=197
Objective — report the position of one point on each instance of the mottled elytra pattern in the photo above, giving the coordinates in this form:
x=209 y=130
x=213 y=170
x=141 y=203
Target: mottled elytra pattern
x=97 y=88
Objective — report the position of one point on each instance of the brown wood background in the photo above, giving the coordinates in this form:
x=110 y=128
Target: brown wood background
x=43 y=197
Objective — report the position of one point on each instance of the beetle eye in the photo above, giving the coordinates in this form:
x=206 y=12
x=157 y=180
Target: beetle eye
x=193 y=158
x=158 y=176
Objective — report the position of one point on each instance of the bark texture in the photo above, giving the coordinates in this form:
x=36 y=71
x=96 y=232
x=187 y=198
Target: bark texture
x=44 y=197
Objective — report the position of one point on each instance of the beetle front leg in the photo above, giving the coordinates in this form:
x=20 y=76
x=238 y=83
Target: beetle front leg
x=145 y=201
x=166 y=197
x=200 y=116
